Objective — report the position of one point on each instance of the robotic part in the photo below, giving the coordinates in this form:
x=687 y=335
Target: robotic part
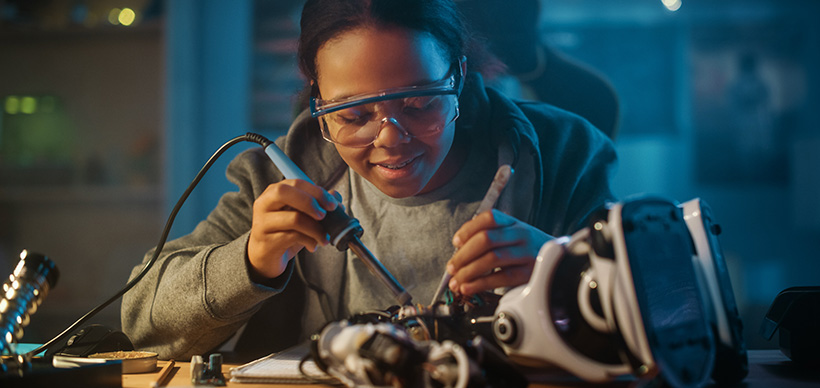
x=386 y=354
x=642 y=291
x=731 y=359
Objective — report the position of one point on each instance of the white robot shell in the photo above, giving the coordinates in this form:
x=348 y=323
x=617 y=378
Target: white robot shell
x=652 y=312
x=529 y=333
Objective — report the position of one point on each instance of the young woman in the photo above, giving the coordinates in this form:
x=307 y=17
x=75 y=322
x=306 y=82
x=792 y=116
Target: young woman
x=408 y=140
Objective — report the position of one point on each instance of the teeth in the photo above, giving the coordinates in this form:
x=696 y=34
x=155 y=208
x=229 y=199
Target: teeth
x=397 y=166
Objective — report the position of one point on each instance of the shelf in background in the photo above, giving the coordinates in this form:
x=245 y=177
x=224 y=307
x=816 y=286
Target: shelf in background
x=81 y=194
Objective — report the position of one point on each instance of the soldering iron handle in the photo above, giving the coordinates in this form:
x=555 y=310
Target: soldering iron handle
x=344 y=230
x=340 y=226
x=289 y=169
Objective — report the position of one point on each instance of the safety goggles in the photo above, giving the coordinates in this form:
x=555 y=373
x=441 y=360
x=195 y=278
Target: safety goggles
x=417 y=111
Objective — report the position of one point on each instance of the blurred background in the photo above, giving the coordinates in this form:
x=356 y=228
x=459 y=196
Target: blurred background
x=109 y=108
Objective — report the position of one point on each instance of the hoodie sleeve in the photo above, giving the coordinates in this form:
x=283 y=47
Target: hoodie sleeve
x=200 y=291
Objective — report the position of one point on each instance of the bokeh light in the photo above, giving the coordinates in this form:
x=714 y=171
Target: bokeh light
x=28 y=105
x=127 y=16
x=672 y=5
x=114 y=16
x=12 y=105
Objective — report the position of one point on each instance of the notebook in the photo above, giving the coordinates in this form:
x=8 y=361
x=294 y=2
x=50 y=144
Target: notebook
x=282 y=368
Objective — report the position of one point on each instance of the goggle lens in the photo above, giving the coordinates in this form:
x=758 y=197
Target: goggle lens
x=418 y=116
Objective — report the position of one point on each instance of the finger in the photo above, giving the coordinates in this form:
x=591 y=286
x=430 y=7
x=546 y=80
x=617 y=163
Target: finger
x=488 y=262
x=336 y=195
x=507 y=277
x=489 y=219
x=482 y=243
x=295 y=221
x=298 y=240
x=296 y=194
x=287 y=241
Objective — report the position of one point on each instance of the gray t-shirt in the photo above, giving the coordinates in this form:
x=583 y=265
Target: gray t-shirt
x=394 y=226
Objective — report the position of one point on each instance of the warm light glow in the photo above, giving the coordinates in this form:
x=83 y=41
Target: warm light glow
x=126 y=16
x=12 y=105
x=114 y=16
x=672 y=5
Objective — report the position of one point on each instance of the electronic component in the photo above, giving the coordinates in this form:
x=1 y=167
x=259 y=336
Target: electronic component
x=385 y=353
x=207 y=374
x=23 y=293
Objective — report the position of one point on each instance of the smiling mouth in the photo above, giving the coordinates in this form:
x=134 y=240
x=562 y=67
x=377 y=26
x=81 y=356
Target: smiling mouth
x=399 y=165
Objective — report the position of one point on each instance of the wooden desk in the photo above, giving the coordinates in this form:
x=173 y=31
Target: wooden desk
x=181 y=377
x=767 y=368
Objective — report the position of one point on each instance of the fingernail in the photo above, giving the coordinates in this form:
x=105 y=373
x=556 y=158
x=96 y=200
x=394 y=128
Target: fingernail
x=453 y=284
x=456 y=241
x=451 y=268
x=329 y=203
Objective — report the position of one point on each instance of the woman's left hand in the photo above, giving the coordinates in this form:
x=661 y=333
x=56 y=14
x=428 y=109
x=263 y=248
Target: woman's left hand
x=493 y=250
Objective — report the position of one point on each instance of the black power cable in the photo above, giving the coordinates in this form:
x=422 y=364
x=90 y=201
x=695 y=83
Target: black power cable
x=251 y=137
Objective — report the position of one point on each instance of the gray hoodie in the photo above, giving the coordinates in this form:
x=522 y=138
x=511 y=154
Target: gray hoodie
x=201 y=291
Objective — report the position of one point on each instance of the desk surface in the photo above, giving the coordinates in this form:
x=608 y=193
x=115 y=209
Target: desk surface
x=767 y=368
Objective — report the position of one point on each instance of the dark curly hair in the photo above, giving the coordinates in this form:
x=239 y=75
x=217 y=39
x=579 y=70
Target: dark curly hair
x=323 y=20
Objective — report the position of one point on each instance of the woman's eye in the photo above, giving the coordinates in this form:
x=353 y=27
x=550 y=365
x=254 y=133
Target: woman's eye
x=352 y=119
x=418 y=104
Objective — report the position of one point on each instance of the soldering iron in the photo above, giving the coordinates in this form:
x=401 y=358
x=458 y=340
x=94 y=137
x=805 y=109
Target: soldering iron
x=344 y=233
x=343 y=229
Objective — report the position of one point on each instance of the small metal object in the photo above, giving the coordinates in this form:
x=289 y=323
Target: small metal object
x=22 y=294
x=502 y=176
x=197 y=368
x=210 y=374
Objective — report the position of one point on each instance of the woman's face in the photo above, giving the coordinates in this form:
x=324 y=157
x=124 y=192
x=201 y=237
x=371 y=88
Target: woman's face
x=371 y=59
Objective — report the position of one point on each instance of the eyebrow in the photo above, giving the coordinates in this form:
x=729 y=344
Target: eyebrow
x=425 y=82
x=382 y=91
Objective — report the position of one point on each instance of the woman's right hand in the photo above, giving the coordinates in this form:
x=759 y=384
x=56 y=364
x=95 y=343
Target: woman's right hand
x=285 y=220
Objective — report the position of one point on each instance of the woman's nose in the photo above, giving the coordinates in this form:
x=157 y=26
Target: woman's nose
x=391 y=133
